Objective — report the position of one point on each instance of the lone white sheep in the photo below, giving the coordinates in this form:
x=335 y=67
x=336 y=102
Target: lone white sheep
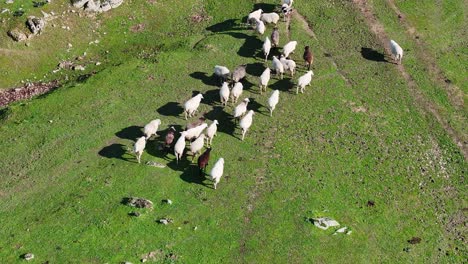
x=195 y=132
x=289 y=48
x=197 y=145
x=255 y=15
x=224 y=94
x=264 y=79
x=191 y=106
x=397 y=51
x=139 y=147
x=180 y=146
x=217 y=171
x=289 y=65
x=246 y=122
x=266 y=48
x=241 y=108
x=273 y=100
x=236 y=91
x=211 y=131
x=304 y=80
x=221 y=72
x=269 y=18
x=151 y=128
x=278 y=66
x=259 y=27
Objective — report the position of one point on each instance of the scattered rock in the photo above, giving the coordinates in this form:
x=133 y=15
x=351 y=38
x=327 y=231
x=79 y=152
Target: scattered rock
x=65 y=65
x=324 y=222
x=26 y=92
x=137 y=28
x=135 y=214
x=28 y=256
x=4 y=10
x=370 y=203
x=165 y=221
x=35 y=24
x=138 y=202
x=17 y=35
x=78 y=68
x=414 y=240
x=155 y=164
x=9 y=2
x=156 y=255
x=98 y=63
x=96 y=5
x=167 y=201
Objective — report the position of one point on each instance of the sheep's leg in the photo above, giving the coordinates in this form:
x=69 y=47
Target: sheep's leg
x=271 y=111
x=243 y=134
x=138 y=156
x=215 y=183
x=297 y=89
x=281 y=75
x=177 y=157
x=185 y=112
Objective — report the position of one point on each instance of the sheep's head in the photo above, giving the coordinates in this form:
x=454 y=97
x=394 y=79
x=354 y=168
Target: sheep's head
x=215 y=122
x=307 y=48
x=246 y=100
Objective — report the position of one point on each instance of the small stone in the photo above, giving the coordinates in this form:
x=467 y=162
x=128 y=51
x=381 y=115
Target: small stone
x=69 y=45
x=17 y=35
x=9 y=2
x=51 y=121
x=98 y=63
x=78 y=68
x=28 y=256
x=414 y=240
x=138 y=202
x=165 y=221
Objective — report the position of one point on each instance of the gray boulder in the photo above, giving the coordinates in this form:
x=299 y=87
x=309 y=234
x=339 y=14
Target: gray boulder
x=35 y=24
x=79 y=3
x=17 y=35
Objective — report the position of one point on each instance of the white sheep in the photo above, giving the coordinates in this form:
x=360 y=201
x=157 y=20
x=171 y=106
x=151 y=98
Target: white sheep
x=139 y=147
x=270 y=18
x=278 y=66
x=217 y=171
x=246 y=122
x=236 y=91
x=273 y=100
x=255 y=15
x=397 y=51
x=221 y=72
x=289 y=65
x=195 y=132
x=287 y=2
x=224 y=94
x=241 y=108
x=264 y=79
x=197 y=145
x=151 y=128
x=289 y=48
x=259 y=27
x=211 y=131
x=304 y=80
x=180 y=146
x=266 y=48
x=191 y=106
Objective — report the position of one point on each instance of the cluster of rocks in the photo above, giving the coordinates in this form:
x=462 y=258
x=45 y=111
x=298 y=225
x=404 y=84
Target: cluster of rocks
x=96 y=5
x=34 y=24
x=27 y=91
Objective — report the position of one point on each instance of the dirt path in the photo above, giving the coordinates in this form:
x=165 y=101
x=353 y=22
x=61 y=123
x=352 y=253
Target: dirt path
x=421 y=100
x=454 y=93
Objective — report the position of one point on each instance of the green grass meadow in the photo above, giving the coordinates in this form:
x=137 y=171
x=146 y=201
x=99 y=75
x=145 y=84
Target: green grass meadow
x=355 y=135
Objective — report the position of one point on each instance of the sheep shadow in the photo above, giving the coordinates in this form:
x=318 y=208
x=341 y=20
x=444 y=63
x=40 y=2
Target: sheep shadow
x=230 y=24
x=203 y=76
x=131 y=132
x=115 y=151
x=192 y=175
x=373 y=55
x=248 y=86
x=255 y=69
x=267 y=8
x=170 y=109
x=284 y=85
x=256 y=106
x=211 y=97
x=154 y=145
x=183 y=163
x=226 y=122
x=250 y=47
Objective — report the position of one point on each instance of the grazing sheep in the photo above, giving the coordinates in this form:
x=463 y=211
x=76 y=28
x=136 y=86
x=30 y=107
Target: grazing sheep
x=264 y=79
x=217 y=171
x=246 y=122
x=241 y=108
x=203 y=160
x=278 y=66
x=269 y=18
x=275 y=37
x=211 y=131
x=139 y=146
x=259 y=27
x=289 y=65
x=397 y=51
x=200 y=121
x=151 y=128
x=224 y=94
x=180 y=146
x=273 y=100
x=239 y=73
x=289 y=48
x=169 y=137
x=236 y=91
x=221 y=72
x=191 y=106
x=286 y=11
x=266 y=48
x=197 y=145
x=254 y=16
x=195 y=132
x=304 y=80
x=308 y=57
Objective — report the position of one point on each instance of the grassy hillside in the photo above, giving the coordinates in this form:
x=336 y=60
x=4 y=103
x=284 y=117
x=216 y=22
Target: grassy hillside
x=356 y=135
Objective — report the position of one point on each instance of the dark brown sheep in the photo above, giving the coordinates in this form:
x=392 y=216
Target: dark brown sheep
x=308 y=57
x=203 y=160
x=169 y=138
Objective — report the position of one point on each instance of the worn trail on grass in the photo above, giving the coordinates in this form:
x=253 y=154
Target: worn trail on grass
x=428 y=106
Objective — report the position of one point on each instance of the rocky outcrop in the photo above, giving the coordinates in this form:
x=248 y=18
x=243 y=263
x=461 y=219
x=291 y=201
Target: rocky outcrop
x=17 y=35
x=96 y=5
x=35 y=24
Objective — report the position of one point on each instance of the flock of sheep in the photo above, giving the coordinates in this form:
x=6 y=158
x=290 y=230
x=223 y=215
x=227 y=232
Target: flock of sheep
x=231 y=89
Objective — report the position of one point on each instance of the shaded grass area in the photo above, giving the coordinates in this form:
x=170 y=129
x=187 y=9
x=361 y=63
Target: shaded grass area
x=319 y=155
